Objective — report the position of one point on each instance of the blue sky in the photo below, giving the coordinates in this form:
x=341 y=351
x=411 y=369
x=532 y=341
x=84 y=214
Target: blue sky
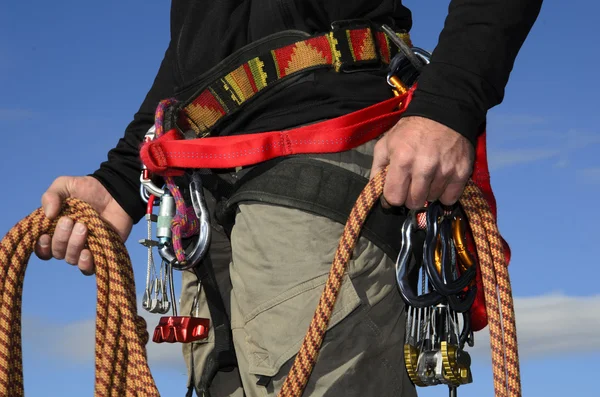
x=73 y=73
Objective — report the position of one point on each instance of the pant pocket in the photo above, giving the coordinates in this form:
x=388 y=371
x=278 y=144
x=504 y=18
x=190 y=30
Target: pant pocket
x=275 y=330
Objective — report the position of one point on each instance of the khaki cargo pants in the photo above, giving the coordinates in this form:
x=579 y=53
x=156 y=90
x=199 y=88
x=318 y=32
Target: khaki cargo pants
x=271 y=278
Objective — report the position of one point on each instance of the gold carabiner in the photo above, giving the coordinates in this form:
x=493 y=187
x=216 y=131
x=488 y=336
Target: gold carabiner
x=459 y=230
x=465 y=259
x=399 y=87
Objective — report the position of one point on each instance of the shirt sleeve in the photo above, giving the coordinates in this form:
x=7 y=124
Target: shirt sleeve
x=120 y=173
x=472 y=62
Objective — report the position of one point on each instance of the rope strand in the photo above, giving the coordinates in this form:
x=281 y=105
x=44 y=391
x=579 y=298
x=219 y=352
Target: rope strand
x=121 y=336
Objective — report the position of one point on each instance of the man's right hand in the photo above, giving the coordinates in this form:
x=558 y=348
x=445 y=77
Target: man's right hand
x=69 y=240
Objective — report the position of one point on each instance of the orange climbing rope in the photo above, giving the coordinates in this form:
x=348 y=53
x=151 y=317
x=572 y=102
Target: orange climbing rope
x=121 y=335
x=503 y=337
x=496 y=286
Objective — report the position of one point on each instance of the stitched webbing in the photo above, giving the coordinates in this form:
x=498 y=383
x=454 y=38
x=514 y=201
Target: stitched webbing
x=121 y=362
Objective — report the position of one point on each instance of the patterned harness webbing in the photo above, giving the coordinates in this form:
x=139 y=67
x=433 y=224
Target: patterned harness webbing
x=339 y=49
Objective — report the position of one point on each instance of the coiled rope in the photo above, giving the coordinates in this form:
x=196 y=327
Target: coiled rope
x=121 y=364
x=503 y=336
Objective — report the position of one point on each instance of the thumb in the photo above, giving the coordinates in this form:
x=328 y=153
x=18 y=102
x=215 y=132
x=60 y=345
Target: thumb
x=53 y=198
x=381 y=157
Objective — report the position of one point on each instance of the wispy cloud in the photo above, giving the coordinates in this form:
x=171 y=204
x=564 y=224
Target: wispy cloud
x=16 y=114
x=506 y=158
x=552 y=325
x=560 y=148
x=74 y=342
x=589 y=175
x=548 y=325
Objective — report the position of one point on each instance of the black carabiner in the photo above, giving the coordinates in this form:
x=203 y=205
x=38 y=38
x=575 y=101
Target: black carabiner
x=466 y=335
x=450 y=271
x=408 y=291
x=439 y=281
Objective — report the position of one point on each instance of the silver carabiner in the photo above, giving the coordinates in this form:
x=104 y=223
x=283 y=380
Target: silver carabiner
x=408 y=291
x=203 y=241
x=148 y=187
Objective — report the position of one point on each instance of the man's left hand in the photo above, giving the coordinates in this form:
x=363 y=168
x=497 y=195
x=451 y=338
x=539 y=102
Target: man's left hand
x=427 y=161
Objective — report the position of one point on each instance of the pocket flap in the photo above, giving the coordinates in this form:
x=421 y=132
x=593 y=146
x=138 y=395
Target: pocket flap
x=272 y=342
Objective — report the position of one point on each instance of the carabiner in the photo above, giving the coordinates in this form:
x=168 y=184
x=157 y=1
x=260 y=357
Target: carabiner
x=408 y=292
x=459 y=226
x=440 y=281
x=406 y=66
x=203 y=241
x=448 y=268
x=466 y=335
x=148 y=187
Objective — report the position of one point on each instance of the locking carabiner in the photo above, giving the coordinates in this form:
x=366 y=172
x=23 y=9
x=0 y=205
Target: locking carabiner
x=202 y=243
x=445 y=283
x=459 y=231
x=463 y=301
x=408 y=291
x=406 y=65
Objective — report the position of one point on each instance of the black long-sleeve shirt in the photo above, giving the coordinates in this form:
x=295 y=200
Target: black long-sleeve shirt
x=467 y=75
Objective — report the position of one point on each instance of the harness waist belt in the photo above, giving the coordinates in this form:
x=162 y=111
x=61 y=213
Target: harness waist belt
x=169 y=155
x=350 y=46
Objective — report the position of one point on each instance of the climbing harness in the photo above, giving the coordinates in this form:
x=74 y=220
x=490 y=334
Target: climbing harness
x=441 y=321
x=461 y=257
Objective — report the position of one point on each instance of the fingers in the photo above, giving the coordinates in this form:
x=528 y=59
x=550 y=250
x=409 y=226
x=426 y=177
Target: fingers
x=437 y=187
x=380 y=156
x=76 y=244
x=69 y=239
x=60 y=240
x=452 y=193
x=426 y=161
x=68 y=243
x=42 y=248
x=409 y=180
x=86 y=263
x=397 y=184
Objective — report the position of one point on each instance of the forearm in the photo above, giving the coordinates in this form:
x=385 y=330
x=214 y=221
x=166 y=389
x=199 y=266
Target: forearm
x=472 y=62
x=120 y=174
